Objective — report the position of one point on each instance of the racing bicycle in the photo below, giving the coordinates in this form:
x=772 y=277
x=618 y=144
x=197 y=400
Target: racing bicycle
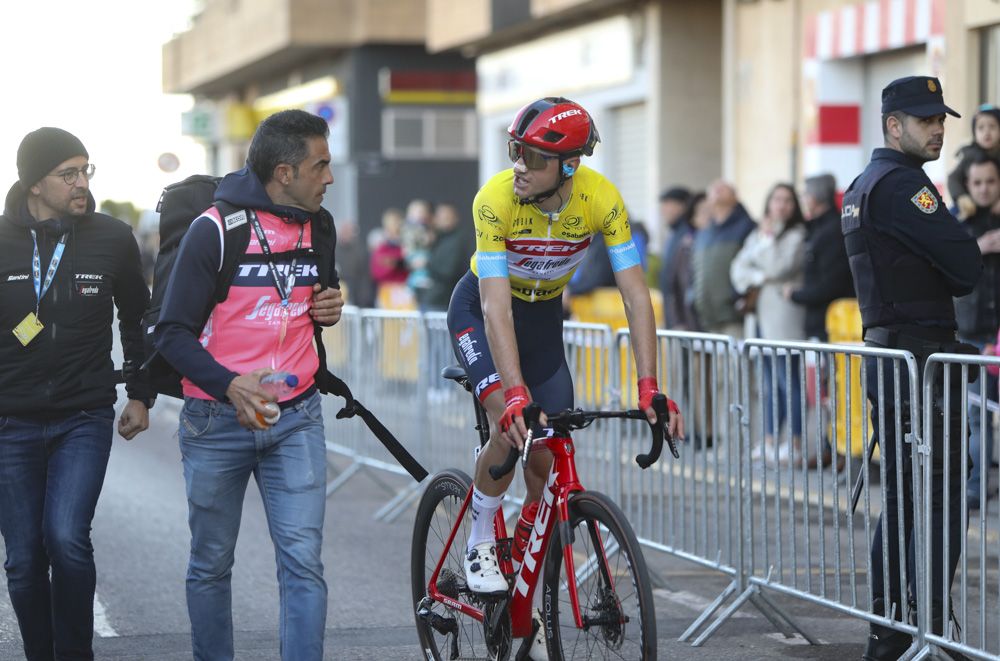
x=596 y=602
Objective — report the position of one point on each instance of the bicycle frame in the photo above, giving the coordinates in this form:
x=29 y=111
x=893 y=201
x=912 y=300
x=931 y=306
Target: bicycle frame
x=561 y=483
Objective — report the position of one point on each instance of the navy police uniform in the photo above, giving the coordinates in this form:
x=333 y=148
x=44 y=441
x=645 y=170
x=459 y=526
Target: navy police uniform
x=909 y=256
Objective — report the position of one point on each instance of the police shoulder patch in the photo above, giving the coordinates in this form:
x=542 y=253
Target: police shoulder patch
x=925 y=200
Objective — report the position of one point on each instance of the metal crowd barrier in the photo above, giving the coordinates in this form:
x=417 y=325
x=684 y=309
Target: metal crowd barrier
x=975 y=593
x=761 y=515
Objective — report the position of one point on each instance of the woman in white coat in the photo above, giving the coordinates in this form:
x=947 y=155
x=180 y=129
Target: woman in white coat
x=771 y=258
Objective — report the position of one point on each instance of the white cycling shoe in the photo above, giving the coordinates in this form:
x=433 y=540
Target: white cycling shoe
x=482 y=571
x=538 y=651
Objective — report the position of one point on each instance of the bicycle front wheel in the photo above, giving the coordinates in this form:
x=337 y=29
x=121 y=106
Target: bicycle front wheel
x=444 y=633
x=612 y=583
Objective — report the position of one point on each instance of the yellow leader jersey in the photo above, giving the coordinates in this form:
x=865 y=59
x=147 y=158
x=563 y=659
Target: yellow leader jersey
x=539 y=251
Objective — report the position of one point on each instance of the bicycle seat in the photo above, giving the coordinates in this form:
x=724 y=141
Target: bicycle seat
x=454 y=372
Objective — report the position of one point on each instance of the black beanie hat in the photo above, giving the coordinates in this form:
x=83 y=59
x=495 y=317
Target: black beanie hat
x=44 y=149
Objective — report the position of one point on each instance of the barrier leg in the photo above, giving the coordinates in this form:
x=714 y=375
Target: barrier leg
x=763 y=603
x=714 y=606
x=725 y=615
x=342 y=479
x=398 y=504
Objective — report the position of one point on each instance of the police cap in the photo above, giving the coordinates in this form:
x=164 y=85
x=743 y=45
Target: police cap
x=919 y=96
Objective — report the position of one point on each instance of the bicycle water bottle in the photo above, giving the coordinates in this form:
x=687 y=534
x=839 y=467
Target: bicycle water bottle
x=522 y=533
x=276 y=384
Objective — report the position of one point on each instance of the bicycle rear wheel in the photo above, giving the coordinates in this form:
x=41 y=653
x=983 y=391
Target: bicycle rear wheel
x=444 y=631
x=616 y=600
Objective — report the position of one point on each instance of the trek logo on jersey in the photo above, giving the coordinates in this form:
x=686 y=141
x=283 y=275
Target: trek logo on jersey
x=547 y=259
x=89 y=276
x=266 y=309
x=264 y=271
x=468 y=346
x=925 y=200
x=17 y=276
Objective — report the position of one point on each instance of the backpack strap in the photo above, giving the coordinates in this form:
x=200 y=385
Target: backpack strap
x=236 y=239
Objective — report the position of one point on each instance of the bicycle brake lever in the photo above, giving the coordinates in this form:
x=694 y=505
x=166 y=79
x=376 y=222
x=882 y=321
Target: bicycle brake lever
x=659 y=430
x=531 y=414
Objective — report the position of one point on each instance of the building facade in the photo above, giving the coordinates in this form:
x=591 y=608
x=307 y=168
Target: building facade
x=756 y=91
x=402 y=120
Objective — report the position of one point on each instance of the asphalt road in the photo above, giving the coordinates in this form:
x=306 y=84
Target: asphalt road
x=141 y=540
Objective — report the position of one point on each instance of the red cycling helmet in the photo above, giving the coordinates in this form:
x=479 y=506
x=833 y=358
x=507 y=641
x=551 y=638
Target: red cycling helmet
x=556 y=125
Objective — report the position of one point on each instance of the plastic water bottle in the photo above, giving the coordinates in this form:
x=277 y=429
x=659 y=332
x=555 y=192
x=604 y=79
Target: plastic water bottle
x=276 y=384
x=522 y=532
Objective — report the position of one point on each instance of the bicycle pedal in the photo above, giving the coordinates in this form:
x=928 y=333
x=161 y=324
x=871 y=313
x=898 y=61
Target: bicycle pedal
x=503 y=547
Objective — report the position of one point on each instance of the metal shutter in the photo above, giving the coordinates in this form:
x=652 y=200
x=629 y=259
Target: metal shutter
x=628 y=162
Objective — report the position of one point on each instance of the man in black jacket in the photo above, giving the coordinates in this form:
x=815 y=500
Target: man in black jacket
x=978 y=314
x=63 y=270
x=827 y=274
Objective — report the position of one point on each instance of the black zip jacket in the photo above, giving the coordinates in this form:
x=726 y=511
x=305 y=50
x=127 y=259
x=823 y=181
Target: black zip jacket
x=68 y=367
x=978 y=313
x=827 y=273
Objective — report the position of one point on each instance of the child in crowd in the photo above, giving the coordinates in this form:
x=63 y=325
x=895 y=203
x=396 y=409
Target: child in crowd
x=985 y=138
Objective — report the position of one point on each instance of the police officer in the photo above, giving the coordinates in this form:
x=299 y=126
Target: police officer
x=908 y=256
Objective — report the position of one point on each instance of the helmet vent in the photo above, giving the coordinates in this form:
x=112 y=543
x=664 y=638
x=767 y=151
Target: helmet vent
x=553 y=136
x=526 y=120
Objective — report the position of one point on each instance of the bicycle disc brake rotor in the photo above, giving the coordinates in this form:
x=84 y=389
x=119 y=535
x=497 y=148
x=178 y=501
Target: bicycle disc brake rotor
x=609 y=616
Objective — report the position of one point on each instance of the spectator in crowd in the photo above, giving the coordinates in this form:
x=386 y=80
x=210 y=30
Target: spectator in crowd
x=827 y=274
x=770 y=259
x=388 y=266
x=352 y=264
x=447 y=260
x=674 y=203
x=416 y=236
x=978 y=313
x=985 y=139
x=713 y=252
x=675 y=272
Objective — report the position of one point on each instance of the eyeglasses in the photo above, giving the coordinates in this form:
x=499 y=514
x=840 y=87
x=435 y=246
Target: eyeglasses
x=533 y=159
x=71 y=175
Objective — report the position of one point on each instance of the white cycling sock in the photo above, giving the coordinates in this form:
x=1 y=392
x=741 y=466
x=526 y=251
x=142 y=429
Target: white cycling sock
x=482 y=508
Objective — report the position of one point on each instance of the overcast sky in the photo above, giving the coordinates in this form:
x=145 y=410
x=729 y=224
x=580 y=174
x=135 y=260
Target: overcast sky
x=93 y=68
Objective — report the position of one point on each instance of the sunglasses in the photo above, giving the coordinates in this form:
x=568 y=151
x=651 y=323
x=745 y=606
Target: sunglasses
x=533 y=159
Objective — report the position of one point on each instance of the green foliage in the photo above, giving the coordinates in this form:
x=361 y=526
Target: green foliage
x=122 y=210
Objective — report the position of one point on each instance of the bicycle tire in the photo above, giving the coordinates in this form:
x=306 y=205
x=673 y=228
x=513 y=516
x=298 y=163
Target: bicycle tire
x=435 y=518
x=631 y=596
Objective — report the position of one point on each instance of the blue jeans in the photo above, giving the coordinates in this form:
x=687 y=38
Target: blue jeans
x=777 y=364
x=288 y=461
x=976 y=435
x=51 y=475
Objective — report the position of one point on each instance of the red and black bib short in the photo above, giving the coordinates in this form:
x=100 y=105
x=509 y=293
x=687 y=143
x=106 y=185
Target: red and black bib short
x=538 y=331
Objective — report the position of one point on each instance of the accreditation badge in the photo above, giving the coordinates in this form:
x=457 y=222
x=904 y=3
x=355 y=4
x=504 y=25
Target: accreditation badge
x=28 y=329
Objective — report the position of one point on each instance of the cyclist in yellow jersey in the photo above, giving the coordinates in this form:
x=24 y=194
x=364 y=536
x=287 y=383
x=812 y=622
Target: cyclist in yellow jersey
x=534 y=223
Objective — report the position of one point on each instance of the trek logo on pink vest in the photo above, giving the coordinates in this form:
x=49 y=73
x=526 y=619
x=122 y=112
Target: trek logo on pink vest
x=244 y=332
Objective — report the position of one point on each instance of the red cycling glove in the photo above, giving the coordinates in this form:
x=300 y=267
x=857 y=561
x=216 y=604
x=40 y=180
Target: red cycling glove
x=515 y=398
x=647 y=388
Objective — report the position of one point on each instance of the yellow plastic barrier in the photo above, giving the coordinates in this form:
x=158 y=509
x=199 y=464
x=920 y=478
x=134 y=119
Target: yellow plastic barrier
x=604 y=306
x=843 y=326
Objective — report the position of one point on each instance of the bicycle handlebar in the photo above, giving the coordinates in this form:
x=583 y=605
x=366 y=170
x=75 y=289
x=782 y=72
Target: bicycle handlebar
x=569 y=420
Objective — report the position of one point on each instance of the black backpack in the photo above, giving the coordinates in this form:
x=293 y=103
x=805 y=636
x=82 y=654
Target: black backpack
x=180 y=204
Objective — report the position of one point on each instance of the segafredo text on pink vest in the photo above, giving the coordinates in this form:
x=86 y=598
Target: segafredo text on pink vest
x=243 y=332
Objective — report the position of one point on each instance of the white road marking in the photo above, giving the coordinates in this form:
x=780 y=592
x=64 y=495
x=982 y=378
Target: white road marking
x=102 y=627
